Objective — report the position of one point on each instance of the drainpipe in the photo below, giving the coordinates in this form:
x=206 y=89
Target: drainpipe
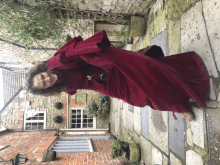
x=67 y=106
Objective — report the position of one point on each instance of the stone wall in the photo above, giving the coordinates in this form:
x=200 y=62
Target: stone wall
x=13 y=53
x=15 y=117
x=85 y=28
x=131 y=7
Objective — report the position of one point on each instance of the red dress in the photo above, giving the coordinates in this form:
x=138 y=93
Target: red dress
x=164 y=83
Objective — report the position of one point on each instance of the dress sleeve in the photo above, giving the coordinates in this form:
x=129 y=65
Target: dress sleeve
x=77 y=53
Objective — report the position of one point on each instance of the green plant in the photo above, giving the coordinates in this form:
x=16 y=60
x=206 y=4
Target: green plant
x=32 y=24
x=58 y=105
x=124 y=32
x=97 y=108
x=57 y=119
x=118 y=148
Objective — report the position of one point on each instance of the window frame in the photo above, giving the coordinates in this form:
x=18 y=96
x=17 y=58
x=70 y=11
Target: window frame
x=34 y=121
x=81 y=109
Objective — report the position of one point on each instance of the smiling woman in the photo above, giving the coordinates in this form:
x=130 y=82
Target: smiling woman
x=139 y=78
x=44 y=80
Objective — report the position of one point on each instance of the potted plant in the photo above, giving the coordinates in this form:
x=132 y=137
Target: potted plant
x=132 y=150
x=57 y=119
x=118 y=148
x=58 y=105
x=98 y=107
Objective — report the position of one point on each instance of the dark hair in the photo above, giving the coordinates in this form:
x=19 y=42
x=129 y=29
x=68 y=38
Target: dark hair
x=58 y=87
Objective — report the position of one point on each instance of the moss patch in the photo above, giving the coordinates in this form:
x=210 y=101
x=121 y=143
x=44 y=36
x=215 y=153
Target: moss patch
x=174 y=37
x=138 y=26
x=175 y=8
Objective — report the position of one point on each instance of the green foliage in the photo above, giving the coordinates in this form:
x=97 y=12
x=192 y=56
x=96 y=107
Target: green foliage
x=118 y=148
x=57 y=119
x=58 y=105
x=124 y=32
x=97 y=108
x=32 y=23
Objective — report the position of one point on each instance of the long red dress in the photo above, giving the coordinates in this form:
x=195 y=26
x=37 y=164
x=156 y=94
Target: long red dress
x=164 y=83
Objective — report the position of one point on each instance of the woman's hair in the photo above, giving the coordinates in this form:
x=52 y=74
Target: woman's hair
x=58 y=87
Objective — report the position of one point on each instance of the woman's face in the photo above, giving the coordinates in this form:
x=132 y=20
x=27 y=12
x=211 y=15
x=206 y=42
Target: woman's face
x=44 y=80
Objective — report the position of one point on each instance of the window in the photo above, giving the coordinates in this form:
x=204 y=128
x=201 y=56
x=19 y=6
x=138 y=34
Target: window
x=34 y=120
x=79 y=119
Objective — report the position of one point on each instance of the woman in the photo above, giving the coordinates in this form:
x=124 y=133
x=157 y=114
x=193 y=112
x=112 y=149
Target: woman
x=139 y=78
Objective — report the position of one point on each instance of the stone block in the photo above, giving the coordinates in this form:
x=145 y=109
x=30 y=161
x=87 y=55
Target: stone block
x=160 y=21
x=165 y=160
x=158 y=130
x=197 y=127
x=194 y=37
x=212 y=94
x=175 y=8
x=212 y=104
x=193 y=158
x=146 y=150
x=137 y=120
x=174 y=160
x=211 y=13
x=138 y=26
x=218 y=104
x=174 y=37
x=189 y=137
x=157 y=156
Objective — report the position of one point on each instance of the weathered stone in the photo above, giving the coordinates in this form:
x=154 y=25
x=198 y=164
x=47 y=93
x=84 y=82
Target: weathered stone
x=217 y=137
x=218 y=104
x=211 y=13
x=175 y=8
x=219 y=97
x=165 y=160
x=106 y=8
x=212 y=104
x=158 y=130
x=212 y=94
x=83 y=6
x=193 y=158
x=137 y=120
x=189 y=137
x=138 y=26
x=197 y=127
x=174 y=160
x=107 y=3
x=157 y=157
x=9 y=52
x=194 y=37
x=160 y=21
x=146 y=150
x=174 y=37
